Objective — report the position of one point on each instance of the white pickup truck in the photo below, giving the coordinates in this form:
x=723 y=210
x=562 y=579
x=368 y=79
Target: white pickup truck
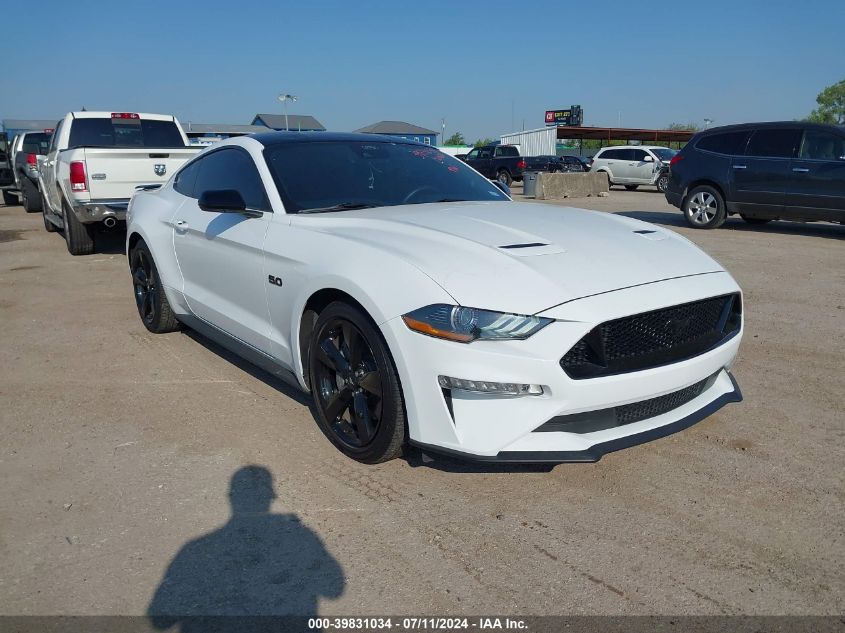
x=93 y=164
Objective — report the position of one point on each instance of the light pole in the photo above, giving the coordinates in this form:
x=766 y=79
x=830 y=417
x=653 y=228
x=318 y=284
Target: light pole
x=284 y=99
x=443 y=131
x=707 y=122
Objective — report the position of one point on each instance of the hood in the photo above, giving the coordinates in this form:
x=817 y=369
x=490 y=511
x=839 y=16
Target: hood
x=519 y=257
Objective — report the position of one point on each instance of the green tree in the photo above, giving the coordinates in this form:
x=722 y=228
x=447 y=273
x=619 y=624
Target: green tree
x=831 y=108
x=694 y=127
x=456 y=139
x=483 y=141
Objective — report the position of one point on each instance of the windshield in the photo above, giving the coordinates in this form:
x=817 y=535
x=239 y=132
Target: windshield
x=663 y=153
x=122 y=132
x=338 y=175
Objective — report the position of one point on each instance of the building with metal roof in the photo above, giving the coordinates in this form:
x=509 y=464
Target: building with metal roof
x=402 y=130
x=295 y=122
x=208 y=133
x=16 y=126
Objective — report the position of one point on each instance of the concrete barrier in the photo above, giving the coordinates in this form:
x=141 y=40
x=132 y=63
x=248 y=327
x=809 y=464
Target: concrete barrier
x=570 y=185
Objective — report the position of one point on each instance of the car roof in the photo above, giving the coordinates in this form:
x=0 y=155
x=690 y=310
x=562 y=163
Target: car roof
x=634 y=147
x=772 y=125
x=269 y=139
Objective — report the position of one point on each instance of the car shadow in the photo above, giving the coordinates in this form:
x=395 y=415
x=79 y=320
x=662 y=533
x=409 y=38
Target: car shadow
x=247 y=572
x=781 y=227
x=110 y=241
x=244 y=365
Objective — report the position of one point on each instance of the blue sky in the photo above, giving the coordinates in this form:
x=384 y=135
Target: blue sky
x=475 y=63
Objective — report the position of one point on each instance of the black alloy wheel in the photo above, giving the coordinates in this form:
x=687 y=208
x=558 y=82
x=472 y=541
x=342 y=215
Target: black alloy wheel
x=355 y=386
x=153 y=307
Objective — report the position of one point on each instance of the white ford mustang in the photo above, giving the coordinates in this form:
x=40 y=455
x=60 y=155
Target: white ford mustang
x=419 y=304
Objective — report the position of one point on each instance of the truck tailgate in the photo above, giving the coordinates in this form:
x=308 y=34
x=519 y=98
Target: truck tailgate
x=115 y=172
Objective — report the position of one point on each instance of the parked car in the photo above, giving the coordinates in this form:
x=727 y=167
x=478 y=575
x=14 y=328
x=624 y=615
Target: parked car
x=575 y=163
x=417 y=302
x=499 y=162
x=634 y=165
x=762 y=172
x=28 y=150
x=94 y=162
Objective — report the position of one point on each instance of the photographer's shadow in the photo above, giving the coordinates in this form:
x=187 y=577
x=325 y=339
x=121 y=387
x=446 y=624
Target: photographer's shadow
x=257 y=564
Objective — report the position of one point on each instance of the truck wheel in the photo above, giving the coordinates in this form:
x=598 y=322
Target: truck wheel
x=79 y=236
x=631 y=187
x=31 y=196
x=662 y=183
x=504 y=177
x=704 y=208
x=9 y=199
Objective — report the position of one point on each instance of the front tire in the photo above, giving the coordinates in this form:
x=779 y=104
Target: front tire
x=504 y=177
x=357 y=396
x=662 y=183
x=79 y=236
x=153 y=306
x=704 y=208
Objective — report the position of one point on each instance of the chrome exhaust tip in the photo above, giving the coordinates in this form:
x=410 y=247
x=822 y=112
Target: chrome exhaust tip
x=109 y=222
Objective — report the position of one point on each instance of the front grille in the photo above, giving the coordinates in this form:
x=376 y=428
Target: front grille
x=655 y=338
x=627 y=413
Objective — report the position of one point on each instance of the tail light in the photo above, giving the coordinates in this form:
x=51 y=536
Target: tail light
x=677 y=158
x=32 y=160
x=521 y=164
x=78 y=181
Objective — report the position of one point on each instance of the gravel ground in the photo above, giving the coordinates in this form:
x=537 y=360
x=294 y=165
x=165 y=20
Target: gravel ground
x=118 y=449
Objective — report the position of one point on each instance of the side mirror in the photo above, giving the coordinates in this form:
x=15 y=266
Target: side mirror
x=648 y=159
x=222 y=201
x=505 y=189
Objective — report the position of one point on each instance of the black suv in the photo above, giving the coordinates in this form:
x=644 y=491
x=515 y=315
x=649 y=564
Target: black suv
x=761 y=171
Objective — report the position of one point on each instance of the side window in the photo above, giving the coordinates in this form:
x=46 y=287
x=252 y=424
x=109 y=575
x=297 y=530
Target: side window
x=510 y=151
x=187 y=178
x=731 y=143
x=484 y=153
x=609 y=154
x=775 y=143
x=818 y=145
x=498 y=151
x=638 y=155
x=232 y=168
x=472 y=155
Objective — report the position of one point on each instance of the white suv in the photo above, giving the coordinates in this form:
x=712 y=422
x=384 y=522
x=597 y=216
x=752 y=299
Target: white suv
x=635 y=165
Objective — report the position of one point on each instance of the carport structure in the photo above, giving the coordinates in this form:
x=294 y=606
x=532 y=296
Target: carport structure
x=609 y=134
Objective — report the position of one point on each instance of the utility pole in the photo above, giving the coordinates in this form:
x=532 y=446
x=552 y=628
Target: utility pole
x=284 y=99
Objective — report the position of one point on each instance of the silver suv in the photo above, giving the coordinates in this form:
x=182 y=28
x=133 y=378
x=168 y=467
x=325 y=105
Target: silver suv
x=635 y=165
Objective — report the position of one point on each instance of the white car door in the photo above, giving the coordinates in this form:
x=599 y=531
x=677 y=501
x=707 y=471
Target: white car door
x=641 y=167
x=220 y=253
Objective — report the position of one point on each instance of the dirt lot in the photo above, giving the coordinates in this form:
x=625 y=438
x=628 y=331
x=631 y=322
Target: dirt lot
x=117 y=449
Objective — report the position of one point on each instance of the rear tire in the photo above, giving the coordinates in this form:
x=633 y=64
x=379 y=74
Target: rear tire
x=31 y=197
x=150 y=299
x=631 y=187
x=754 y=221
x=358 y=401
x=704 y=208
x=9 y=199
x=79 y=236
x=504 y=177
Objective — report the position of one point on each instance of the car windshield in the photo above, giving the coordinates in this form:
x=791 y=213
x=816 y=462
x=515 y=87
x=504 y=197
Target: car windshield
x=340 y=175
x=663 y=153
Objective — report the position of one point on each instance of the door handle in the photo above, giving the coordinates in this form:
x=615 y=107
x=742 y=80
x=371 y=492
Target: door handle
x=181 y=224
x=800 y=170
x=740 y=166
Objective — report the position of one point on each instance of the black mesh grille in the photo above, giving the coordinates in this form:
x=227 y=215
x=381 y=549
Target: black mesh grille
x=602 y=419
x=637 y=411
x=654 y=338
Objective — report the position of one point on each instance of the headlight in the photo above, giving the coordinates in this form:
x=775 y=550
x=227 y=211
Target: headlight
x=458 y=323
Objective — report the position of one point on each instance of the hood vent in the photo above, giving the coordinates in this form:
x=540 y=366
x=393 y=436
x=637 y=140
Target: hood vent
x=528 y=245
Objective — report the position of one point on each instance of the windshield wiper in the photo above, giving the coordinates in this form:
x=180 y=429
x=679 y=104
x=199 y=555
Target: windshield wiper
x=343 y=206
